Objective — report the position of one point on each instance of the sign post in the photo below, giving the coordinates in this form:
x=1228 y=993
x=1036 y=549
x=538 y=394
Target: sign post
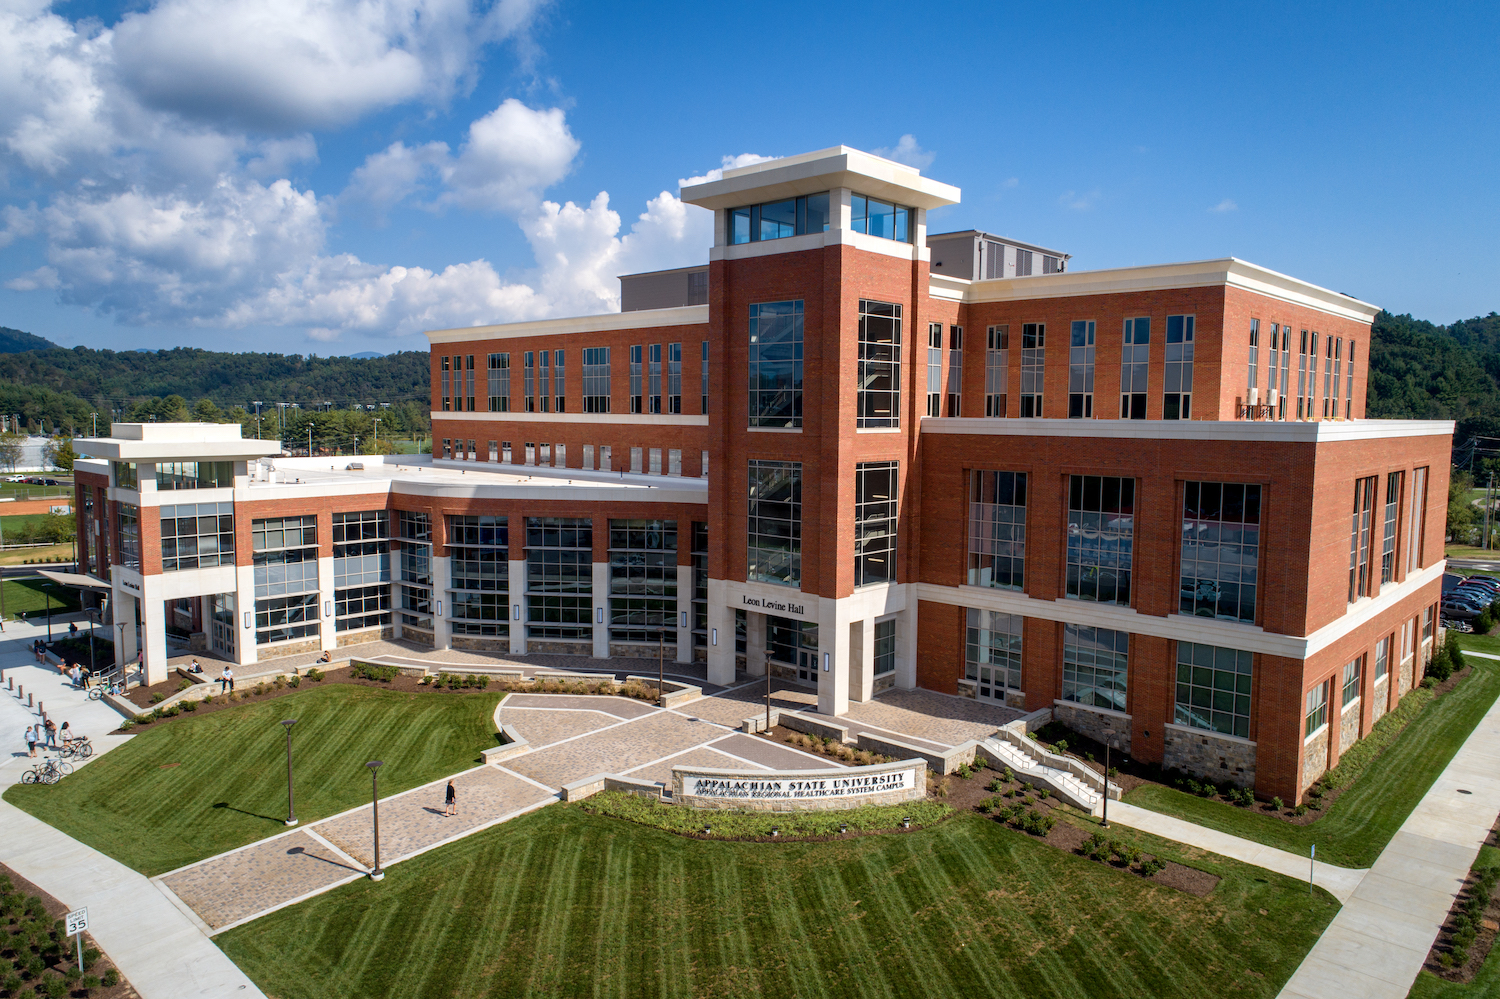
x=1312 y=867
x=77 y=922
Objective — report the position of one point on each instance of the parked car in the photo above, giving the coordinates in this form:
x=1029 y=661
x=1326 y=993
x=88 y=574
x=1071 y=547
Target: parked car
x=1484 y=591
x=1472 y=604
x=1488 y=582
x=1451 y=580
x=1459 y=610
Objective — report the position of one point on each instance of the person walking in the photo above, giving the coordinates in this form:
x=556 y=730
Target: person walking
x=51 y=727
x=450 y=801
x=31 y=740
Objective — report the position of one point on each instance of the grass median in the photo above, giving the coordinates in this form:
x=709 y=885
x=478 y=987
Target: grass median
x=181 y=792
x=564 y=903
x=1365 y=817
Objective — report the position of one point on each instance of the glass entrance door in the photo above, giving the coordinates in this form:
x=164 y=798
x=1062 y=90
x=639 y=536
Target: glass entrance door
x=807 y=665
x=794 y=644
x=221 y=626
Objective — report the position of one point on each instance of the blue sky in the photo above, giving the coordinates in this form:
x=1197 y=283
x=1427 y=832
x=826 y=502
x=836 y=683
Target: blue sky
x=333 y=176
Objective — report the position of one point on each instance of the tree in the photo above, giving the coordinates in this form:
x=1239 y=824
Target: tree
x=207 y=412
x=1461 y=512
x=58 y=452
x=10 y=449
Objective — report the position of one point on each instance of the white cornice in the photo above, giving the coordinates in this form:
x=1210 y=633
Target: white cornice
x=823 y=170
x=1281 y=431
x=1181 y=627
x=818 y=240
x=1228 y=271
x=690 y=315
x=622 y=419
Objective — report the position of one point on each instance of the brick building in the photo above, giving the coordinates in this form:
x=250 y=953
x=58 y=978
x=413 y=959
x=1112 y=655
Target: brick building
x=863 y=457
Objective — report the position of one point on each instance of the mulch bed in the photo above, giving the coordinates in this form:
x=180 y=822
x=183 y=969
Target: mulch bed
x=806 y=743
x=965 y=794
x=1131 y=773
x=1440 y=957
x=56 y=910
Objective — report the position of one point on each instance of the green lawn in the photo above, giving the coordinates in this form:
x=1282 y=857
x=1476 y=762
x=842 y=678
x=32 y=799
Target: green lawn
x=1469 y=551
x=1366 y=816
x=27 y=595
x=229 y=787
x=563 y=903
x=1487 y=983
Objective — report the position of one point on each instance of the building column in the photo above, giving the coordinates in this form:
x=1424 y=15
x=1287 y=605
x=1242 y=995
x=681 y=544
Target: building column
x=516 y=586
x=442 y=632
x=601 y=609
x=328 y=639
x=862 y=660
x=154 y=629
x=684 y=613
x=123 y=611
x=906 y=643
x=833 y=657
x=245 y=652
x=755 y=642
x=720 y=626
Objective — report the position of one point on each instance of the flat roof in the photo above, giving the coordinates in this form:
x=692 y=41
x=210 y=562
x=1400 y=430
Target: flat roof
x=822 y=170
x=687 y=315
x=999 y=239
x=175 y=442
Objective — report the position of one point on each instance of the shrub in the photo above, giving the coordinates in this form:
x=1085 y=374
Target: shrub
x=190 y=705
x=127 y=725
x=185 y=684
x=158 y=697
x=1153 y=867
x=1277 y=804
x=315 y=675
x=1300 y=810
x=1044 y=794
x=12 y=983
x=1089 y=757
x=157 y=713
x=294 y=681
x=987 y=805
x=1008 y=774
x=259 y=688
x=278 y=683
x=424 y=681
x=91 y=981
x=1114 y=772
x=964 y=771
x=980 y=762
x=110 y=978
x=1440 y=666
x=1428 y=682
x=993 y=785
x=1060 y=746
x=90 y=955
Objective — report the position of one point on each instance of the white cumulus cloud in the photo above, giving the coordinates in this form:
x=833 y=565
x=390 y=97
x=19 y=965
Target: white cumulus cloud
x=908 y=151
x=1227 y=205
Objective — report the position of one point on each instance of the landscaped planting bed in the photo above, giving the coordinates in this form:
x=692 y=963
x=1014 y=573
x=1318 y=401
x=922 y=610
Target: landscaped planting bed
x=765 y=826
x=1468 y=935
x=38 y=958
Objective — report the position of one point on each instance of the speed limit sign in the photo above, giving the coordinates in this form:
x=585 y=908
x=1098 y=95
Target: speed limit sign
x=78 y=920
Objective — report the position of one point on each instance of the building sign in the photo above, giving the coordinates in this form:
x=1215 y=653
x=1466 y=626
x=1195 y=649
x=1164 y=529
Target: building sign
x=772 y=606
x=796 y=787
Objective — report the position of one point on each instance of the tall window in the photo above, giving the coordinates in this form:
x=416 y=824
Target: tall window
x=1220 y=550
x=880 y=218
x=197 y=536
x=879 y=397
x=447 y=383
x=1213 y=689
x=479 y=547
x=875 y=484
x=559 y=578
x=997 y=529
x=1095 y=666
x=1416 y=521
x=559 y=381
x=1081 y=371
x=1177 y=400
x=528 y=362
x=1382 y=658
x=544 y=375
x=776 y=364
x=1388 y=539
x=1033 y=365
x=704 y=403
x=777 y=220
x=1101 y=532
x=1338 y=365
x=127 y=475
x=1316 y=713
x=934 y=369
x=174 y=475
x=361 y=570
x=130 y=536
x=1349 y=394
x=643 y=581
x=1330 y=384
x=286 y=578
x=416 y=568
x=992 y=653
x=775 y=523
x=635 y=379
x=653 y=375
x=1286 y=370
x=1359 y=538
x=596 y=379
x=996 y=370
x=1252 y=376
x=1312 y=378
x=700 y=584
x=469 y=382
x=1135 y=358
x=885 y=647
x=1351 y=682
x=955 y=370
x=499 y=383
x=1302 y=384
x=674 y=377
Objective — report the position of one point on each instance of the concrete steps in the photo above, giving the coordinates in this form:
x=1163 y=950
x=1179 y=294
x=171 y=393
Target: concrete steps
x=1065 y=785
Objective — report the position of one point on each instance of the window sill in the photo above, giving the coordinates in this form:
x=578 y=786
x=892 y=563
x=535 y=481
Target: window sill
x=1210 y=734
x=1315 y=733
x=1111 y=712
x=877 y=430
x=773 y=430
x=1352 y=704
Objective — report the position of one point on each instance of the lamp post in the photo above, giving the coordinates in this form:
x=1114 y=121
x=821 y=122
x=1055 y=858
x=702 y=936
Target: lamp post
x=95 y=417
x=92 y=613
x=377 y=874
x=375 y=442
x=257 y=404
x=661 y=687
x=768 y=693
x=291 y=814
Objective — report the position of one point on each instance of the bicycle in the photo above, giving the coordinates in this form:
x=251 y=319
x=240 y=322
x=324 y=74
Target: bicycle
x=49 y=771
x=80 y=747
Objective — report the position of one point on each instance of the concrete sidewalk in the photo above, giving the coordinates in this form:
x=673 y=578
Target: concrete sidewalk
x=1378 y=942
x=1340 y=882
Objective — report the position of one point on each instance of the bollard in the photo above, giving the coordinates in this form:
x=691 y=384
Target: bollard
x=28 y=700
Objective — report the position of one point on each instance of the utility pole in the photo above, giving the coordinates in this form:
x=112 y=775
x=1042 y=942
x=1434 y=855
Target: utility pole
x=1488 y=489
x=309 y=440
x=257 y=404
